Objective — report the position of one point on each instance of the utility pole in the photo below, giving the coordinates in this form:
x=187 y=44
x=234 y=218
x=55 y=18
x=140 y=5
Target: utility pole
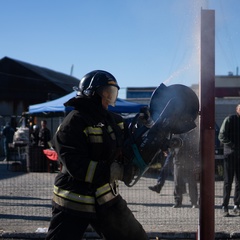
x=207 y=126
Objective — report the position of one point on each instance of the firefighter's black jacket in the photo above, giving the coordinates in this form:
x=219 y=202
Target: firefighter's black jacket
x=89 y=139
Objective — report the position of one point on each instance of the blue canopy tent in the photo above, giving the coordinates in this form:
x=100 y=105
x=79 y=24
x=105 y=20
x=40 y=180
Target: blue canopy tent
x=56 y=106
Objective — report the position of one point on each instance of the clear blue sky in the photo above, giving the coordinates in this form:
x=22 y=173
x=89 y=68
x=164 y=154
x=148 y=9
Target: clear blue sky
x=141 y=42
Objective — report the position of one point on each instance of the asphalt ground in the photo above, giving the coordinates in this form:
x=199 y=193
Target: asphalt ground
x=25 y=208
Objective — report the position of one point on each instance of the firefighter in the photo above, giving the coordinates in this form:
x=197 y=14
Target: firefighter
x=88 y=143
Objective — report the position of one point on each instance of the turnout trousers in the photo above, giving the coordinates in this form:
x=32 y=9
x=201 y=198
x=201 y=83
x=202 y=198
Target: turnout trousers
x=113 y=223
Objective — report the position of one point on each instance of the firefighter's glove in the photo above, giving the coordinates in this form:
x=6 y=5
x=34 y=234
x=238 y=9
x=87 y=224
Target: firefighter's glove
x=145 y=117
x=116 y=171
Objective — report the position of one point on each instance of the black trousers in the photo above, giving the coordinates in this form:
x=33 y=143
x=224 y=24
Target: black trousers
x=231 y=170
x=114 y=223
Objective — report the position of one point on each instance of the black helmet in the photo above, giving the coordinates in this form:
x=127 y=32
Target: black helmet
x=97 y=81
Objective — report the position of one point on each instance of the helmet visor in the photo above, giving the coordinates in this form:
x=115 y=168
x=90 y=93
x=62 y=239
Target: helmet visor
x=108 y=94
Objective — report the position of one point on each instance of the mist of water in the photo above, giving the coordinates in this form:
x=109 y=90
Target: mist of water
x=189 y=72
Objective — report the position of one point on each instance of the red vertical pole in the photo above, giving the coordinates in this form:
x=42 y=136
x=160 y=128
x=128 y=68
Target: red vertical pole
x=207 y=123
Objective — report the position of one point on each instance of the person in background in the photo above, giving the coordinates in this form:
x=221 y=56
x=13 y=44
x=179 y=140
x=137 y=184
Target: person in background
x=8 y=133
x=186 y=164
x=89 y=143
x=44 y=135
x=164 y=171
x=229 y=135
x=34 y=135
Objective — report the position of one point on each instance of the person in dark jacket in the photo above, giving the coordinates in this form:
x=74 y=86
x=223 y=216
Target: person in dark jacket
x=8 y=133
x=44 y=135
x=229 y=135
x=34 y=136
x=89 y=143
x=186 y=164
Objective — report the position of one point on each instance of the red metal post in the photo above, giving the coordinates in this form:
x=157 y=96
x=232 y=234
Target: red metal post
x=206 y=229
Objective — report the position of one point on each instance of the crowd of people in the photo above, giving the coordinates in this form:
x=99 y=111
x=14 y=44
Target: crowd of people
x=36 y=136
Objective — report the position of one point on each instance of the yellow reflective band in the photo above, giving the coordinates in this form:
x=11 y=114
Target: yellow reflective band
x=92 y=130
x=105 y=198
x=91 y=171
x=73 y=205
x=102 y=190
x=112 y=134
x=109 y=128
x=104 y=194
x=94 y=134
x=95 y=139
x=73 y=196
x=121 y=125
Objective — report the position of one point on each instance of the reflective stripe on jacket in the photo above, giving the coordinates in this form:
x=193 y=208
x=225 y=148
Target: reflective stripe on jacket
x=84 y=203
x=95 y=133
